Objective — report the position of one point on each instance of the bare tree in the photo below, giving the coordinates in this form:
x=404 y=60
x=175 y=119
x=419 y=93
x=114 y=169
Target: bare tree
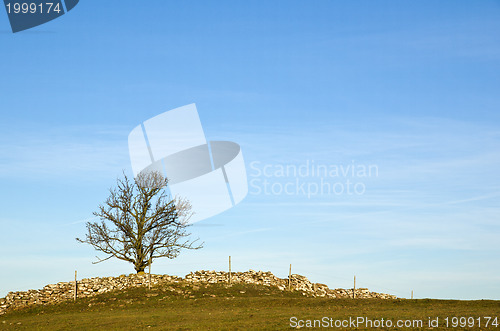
x=139 y=222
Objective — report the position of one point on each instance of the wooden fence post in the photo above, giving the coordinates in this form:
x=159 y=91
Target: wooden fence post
x=149 y=280
x=412 y=294
x=149 y=275
x=354 y=289
x=290 y=278
x=229 y=269
x=76 y=288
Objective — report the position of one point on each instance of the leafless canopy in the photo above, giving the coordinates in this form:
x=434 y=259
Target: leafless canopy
x=139 y=222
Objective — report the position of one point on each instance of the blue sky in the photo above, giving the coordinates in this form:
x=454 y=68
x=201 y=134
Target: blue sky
x=411 y=88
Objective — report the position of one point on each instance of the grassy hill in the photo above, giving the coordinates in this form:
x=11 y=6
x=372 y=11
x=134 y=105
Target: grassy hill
x=188 y=306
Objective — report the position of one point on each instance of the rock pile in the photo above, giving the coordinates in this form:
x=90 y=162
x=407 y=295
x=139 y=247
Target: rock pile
x=63 y=291
x=298 y=283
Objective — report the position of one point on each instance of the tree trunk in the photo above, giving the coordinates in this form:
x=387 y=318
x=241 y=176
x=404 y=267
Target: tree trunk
x=140 y=268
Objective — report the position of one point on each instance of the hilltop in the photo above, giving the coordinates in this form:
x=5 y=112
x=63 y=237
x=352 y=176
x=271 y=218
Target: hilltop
x=205 y=300
x=63 y=291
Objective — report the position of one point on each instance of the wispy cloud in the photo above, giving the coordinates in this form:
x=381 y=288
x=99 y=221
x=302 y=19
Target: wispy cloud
x=238 y=233
x=89 y=219
x=64 y=151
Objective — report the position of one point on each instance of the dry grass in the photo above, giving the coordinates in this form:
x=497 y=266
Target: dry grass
x=184 y=306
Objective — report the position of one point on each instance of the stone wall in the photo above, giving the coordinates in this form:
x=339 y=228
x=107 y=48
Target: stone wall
x=299 y=283
x=63 y=291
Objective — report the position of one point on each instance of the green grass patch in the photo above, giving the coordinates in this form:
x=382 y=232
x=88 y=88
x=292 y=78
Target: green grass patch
x=187 y=306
